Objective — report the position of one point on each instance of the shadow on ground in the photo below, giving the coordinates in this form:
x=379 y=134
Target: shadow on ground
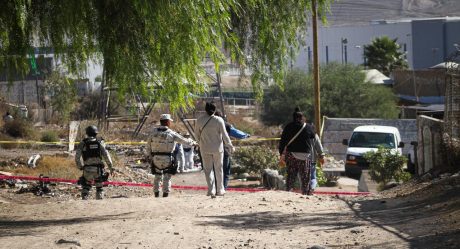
x=28 y=227
x=271 y=220
x=427 y=218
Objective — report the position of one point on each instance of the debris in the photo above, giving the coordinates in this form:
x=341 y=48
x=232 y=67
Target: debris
x=32 y=162
x=5 y=173
x=271 y=179
x=63 y=241
x=39 y=189
x=426 y=177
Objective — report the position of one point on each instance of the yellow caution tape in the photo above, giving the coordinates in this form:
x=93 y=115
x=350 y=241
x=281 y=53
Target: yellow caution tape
x=127 y=142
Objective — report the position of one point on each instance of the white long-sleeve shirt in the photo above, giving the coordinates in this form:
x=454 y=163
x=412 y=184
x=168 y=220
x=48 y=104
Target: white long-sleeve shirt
x=210 y=136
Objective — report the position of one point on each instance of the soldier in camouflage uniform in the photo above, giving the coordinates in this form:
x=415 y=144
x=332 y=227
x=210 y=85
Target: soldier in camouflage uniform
x=93 y=152
x=160 y=148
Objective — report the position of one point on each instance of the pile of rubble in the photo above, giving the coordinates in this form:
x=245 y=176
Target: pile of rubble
x=331 y=162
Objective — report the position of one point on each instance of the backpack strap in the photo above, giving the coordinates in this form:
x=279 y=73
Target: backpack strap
x=295 y=136
x=202 y=128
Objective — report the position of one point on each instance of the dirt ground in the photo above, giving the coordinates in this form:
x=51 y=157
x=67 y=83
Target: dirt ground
x=420 y=214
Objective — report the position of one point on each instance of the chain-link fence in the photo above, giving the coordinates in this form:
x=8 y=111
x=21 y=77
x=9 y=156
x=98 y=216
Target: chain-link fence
x=451 y=136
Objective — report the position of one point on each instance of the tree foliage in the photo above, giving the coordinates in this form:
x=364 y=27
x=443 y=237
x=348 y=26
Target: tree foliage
x=144 y=42
x=384 y=55
x=63 y=94
x=344 y=94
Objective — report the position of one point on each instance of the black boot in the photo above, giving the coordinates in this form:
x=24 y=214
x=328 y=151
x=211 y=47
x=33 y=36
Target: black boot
x=157 y=194
x=165 y=194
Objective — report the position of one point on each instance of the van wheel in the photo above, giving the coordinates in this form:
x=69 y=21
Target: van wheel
x=352 y=175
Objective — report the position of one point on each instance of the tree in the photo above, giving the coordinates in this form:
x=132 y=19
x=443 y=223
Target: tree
x=143 y=42
x=384 y=55
x=63 y=94
x=344 y=94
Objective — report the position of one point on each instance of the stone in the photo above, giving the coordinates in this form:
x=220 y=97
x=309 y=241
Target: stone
x=426 y=177
x=317 y=247
x=64 y=241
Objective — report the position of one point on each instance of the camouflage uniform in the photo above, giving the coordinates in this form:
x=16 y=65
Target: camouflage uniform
x=160 y=148
x=93 y=152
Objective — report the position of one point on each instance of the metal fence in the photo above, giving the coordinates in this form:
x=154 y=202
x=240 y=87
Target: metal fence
x=451 y=134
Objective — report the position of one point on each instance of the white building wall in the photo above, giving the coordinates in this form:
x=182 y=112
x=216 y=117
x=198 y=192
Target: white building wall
x=357 y=37
x=426 y=42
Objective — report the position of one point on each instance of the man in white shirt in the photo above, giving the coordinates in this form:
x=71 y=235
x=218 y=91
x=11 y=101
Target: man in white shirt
x=211 y=136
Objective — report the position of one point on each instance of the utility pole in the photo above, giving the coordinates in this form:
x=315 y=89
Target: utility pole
x=219 y=87
x=316 y=68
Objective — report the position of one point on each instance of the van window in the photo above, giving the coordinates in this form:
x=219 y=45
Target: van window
x=372 y=140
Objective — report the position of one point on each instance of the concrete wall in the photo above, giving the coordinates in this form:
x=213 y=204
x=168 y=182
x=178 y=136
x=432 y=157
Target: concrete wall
x=337 y=129
x=430 y=152
x=428 y=43
x=21 y=92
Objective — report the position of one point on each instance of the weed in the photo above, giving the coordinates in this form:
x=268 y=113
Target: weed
x=19 y=128
x=7 y=138
x=52 y=166
x=49 y=136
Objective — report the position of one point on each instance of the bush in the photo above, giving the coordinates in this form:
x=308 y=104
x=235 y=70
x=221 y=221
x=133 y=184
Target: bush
x=255 y=158
x=49 y=136
x=19 y=128
x=320 y=177
x=7 y=138
x=384 y=166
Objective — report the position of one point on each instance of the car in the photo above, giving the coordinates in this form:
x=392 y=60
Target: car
x=368 y=138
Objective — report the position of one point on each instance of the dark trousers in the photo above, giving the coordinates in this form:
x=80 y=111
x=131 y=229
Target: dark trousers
x=301 y=167
x=226 y=167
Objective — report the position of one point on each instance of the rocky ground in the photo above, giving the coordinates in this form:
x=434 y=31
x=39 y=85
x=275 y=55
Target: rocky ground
x=421 y=214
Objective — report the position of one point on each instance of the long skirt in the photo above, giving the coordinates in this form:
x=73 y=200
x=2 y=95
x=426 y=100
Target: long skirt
x=301 y=167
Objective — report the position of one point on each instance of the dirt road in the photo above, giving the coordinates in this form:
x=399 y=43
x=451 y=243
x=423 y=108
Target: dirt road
x=260 y=220
x=423 y=215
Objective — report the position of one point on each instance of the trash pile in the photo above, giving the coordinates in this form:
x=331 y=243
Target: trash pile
x=40 y=188
x=331 y=162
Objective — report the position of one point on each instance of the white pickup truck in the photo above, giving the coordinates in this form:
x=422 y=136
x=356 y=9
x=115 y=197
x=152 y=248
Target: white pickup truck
x=368 y=138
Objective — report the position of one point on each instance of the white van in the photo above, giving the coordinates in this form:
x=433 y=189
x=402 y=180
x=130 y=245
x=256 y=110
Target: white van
x=368 y=138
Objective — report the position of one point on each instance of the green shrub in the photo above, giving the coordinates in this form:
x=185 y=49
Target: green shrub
x=19 y=128
x=255 y=158
x=49 y=136
x=384 y=166
x=320 y=177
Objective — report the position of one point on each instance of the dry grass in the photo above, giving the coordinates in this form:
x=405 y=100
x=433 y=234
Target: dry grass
x=52 y=166
x=4 y=137
x=253 y=126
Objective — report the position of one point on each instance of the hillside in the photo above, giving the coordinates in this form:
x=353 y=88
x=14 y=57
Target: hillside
x=346 y=12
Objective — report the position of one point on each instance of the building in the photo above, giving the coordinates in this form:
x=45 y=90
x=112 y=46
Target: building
x=426 y=42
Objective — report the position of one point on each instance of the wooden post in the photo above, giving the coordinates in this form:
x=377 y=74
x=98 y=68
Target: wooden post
x=316 y=68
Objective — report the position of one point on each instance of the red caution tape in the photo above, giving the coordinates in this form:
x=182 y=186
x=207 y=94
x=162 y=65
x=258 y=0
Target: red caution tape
x=134 y=184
